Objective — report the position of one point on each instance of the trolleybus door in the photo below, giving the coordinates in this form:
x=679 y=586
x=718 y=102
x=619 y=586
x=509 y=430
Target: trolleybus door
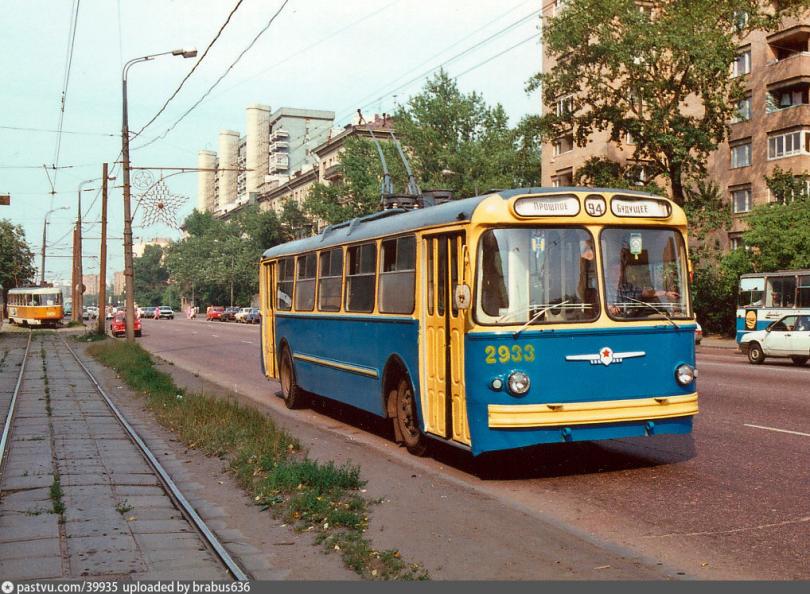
x=268 y=321
x=444 y=407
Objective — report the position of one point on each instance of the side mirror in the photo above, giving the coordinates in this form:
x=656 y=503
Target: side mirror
x=462 y=296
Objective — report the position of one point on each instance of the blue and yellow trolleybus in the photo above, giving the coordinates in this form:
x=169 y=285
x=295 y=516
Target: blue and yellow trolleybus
x=521 y=317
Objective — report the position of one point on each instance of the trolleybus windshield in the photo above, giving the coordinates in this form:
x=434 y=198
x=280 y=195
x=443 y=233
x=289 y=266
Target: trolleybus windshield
x=645 y=274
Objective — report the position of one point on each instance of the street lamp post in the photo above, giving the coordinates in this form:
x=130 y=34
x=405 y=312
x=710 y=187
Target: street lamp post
x=44 y=239
x=128 y=264
x=78 y=284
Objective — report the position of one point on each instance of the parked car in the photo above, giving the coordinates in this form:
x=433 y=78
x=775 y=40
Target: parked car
x=166 y=312
x=239 y=316
x=118 y=326
x=214 y=313
x=788 y=336
x=698 y=333
x=147 y=312
x=229 y=314
x=254 y=316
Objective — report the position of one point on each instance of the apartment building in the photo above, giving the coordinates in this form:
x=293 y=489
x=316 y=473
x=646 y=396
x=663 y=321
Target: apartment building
x=275 y=145
x=772 y=128
x=326 y=157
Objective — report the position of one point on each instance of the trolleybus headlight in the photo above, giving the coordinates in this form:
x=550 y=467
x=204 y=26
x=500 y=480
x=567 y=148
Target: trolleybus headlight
x=518 y=382
x=685 y=374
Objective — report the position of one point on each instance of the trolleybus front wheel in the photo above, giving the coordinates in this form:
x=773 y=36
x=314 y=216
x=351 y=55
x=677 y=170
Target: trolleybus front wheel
x=292 y=394
x=407 y=421
x=755 y=354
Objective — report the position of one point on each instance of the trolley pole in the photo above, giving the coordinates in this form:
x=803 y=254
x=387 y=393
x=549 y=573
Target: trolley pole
x=102 y=264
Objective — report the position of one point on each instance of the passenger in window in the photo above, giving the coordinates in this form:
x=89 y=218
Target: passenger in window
x=586 y=287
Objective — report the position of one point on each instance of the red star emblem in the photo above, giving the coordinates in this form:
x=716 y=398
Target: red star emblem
x=606 y=353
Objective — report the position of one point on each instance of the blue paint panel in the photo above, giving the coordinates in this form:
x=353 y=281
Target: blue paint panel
x=364 y=341
x=553 y=379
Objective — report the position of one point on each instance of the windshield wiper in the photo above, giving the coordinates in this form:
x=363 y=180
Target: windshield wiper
x=537 y=315
x=655 y=309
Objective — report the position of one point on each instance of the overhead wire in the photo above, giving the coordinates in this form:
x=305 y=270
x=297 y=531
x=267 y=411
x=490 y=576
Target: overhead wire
x=66 y=81
x=56 y=131
x=193 y=68
x=216 y=82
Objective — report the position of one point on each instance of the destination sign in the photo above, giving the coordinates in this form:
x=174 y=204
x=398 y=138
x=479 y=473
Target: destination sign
x=640 y=208
x=548 y=206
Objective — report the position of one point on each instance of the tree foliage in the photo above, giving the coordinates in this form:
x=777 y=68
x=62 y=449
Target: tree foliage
x=660 y=76
x=219 y=258
x=16 y=258
x=778 y=235
x=714 y=287
x=603 y=173
x=151 y=277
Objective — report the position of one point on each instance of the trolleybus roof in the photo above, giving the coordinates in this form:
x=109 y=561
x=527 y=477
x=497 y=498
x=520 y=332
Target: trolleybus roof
x=385 y=223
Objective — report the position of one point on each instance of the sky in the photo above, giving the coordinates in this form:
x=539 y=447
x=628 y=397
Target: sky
x=316 y=54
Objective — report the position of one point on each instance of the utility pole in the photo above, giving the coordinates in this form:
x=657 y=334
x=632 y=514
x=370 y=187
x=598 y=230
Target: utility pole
x=102 y=263
x=75 y=313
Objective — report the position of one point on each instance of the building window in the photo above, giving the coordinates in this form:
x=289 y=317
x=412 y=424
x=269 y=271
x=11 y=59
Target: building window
x=305 y=285
x=360 y=278
x=736 y=242
x=628 y=138
x=564 y=144
x=785 y=145
x=397 y=275
x=330 y=280
x=742 y=64
x=743 y=113
x=741 y=155
x=741 y=200
x=740 y=20
x=565 y=106
x=286 y=276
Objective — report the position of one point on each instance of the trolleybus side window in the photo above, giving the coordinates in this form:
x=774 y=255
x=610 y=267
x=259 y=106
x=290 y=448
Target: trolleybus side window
x=305 y=283
x=397 y=274
x=537 y=275
x=781 y=292
x=285 y=283
x=804 y=291
x=442 y=278
x=330 y=280
x=429 y=249
x=360 y=278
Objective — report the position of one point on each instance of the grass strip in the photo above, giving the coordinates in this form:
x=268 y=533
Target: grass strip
x=268 y=463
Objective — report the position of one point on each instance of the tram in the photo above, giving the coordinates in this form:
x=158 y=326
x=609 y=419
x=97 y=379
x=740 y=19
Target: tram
x=35 y=306
x=522 y=317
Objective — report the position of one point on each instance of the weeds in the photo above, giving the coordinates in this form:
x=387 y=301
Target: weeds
x=57 y=506
x=123 y=507
x=267 y=462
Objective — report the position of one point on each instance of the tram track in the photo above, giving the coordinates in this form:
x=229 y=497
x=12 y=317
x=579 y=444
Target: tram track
x=176 y=498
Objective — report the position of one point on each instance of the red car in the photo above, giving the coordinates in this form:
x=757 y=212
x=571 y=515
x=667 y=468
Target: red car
x=118 y=326
x=214 y=312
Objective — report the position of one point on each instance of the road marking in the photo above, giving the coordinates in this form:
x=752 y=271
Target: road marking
x=247 y=342
x=215 y=335
x=777 y=430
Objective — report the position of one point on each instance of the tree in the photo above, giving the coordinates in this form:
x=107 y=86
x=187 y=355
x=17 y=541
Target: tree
x=151 y=277
x=457 y=141
x=16 y=258
x=661 y=76
x=603 y=173
x=778 y=233
x=357 y=191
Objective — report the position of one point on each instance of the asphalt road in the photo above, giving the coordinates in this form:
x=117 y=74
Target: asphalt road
x=730 y=501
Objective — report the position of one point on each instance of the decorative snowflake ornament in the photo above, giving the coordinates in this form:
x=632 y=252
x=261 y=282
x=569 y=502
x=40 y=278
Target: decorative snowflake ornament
x=159 y=205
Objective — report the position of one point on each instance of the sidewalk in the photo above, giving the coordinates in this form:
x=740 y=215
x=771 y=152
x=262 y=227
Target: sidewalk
x=719 y=342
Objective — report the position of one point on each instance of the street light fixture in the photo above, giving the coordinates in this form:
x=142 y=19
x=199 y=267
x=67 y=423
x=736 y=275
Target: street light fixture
x=128 y=264
x=44 y=239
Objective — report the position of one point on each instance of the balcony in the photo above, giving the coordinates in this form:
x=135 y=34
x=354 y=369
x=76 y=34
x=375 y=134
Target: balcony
x=332 y=173
x=795 y=68
x=279 y=145
x=789 y=117
x=279 y=134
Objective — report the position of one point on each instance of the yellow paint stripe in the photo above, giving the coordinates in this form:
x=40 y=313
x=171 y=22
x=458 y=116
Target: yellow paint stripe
x=581 y=413
x=342 y=366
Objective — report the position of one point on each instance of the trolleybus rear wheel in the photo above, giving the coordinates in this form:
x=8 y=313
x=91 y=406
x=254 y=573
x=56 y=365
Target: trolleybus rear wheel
x=755 y=354
x=407 y=420
x=799 y=360
x=292 y=394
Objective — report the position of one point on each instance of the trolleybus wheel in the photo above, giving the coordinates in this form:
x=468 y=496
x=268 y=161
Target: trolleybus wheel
x=407 y=421
x=292 y=394
x=755 y=354
x=799 y=360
